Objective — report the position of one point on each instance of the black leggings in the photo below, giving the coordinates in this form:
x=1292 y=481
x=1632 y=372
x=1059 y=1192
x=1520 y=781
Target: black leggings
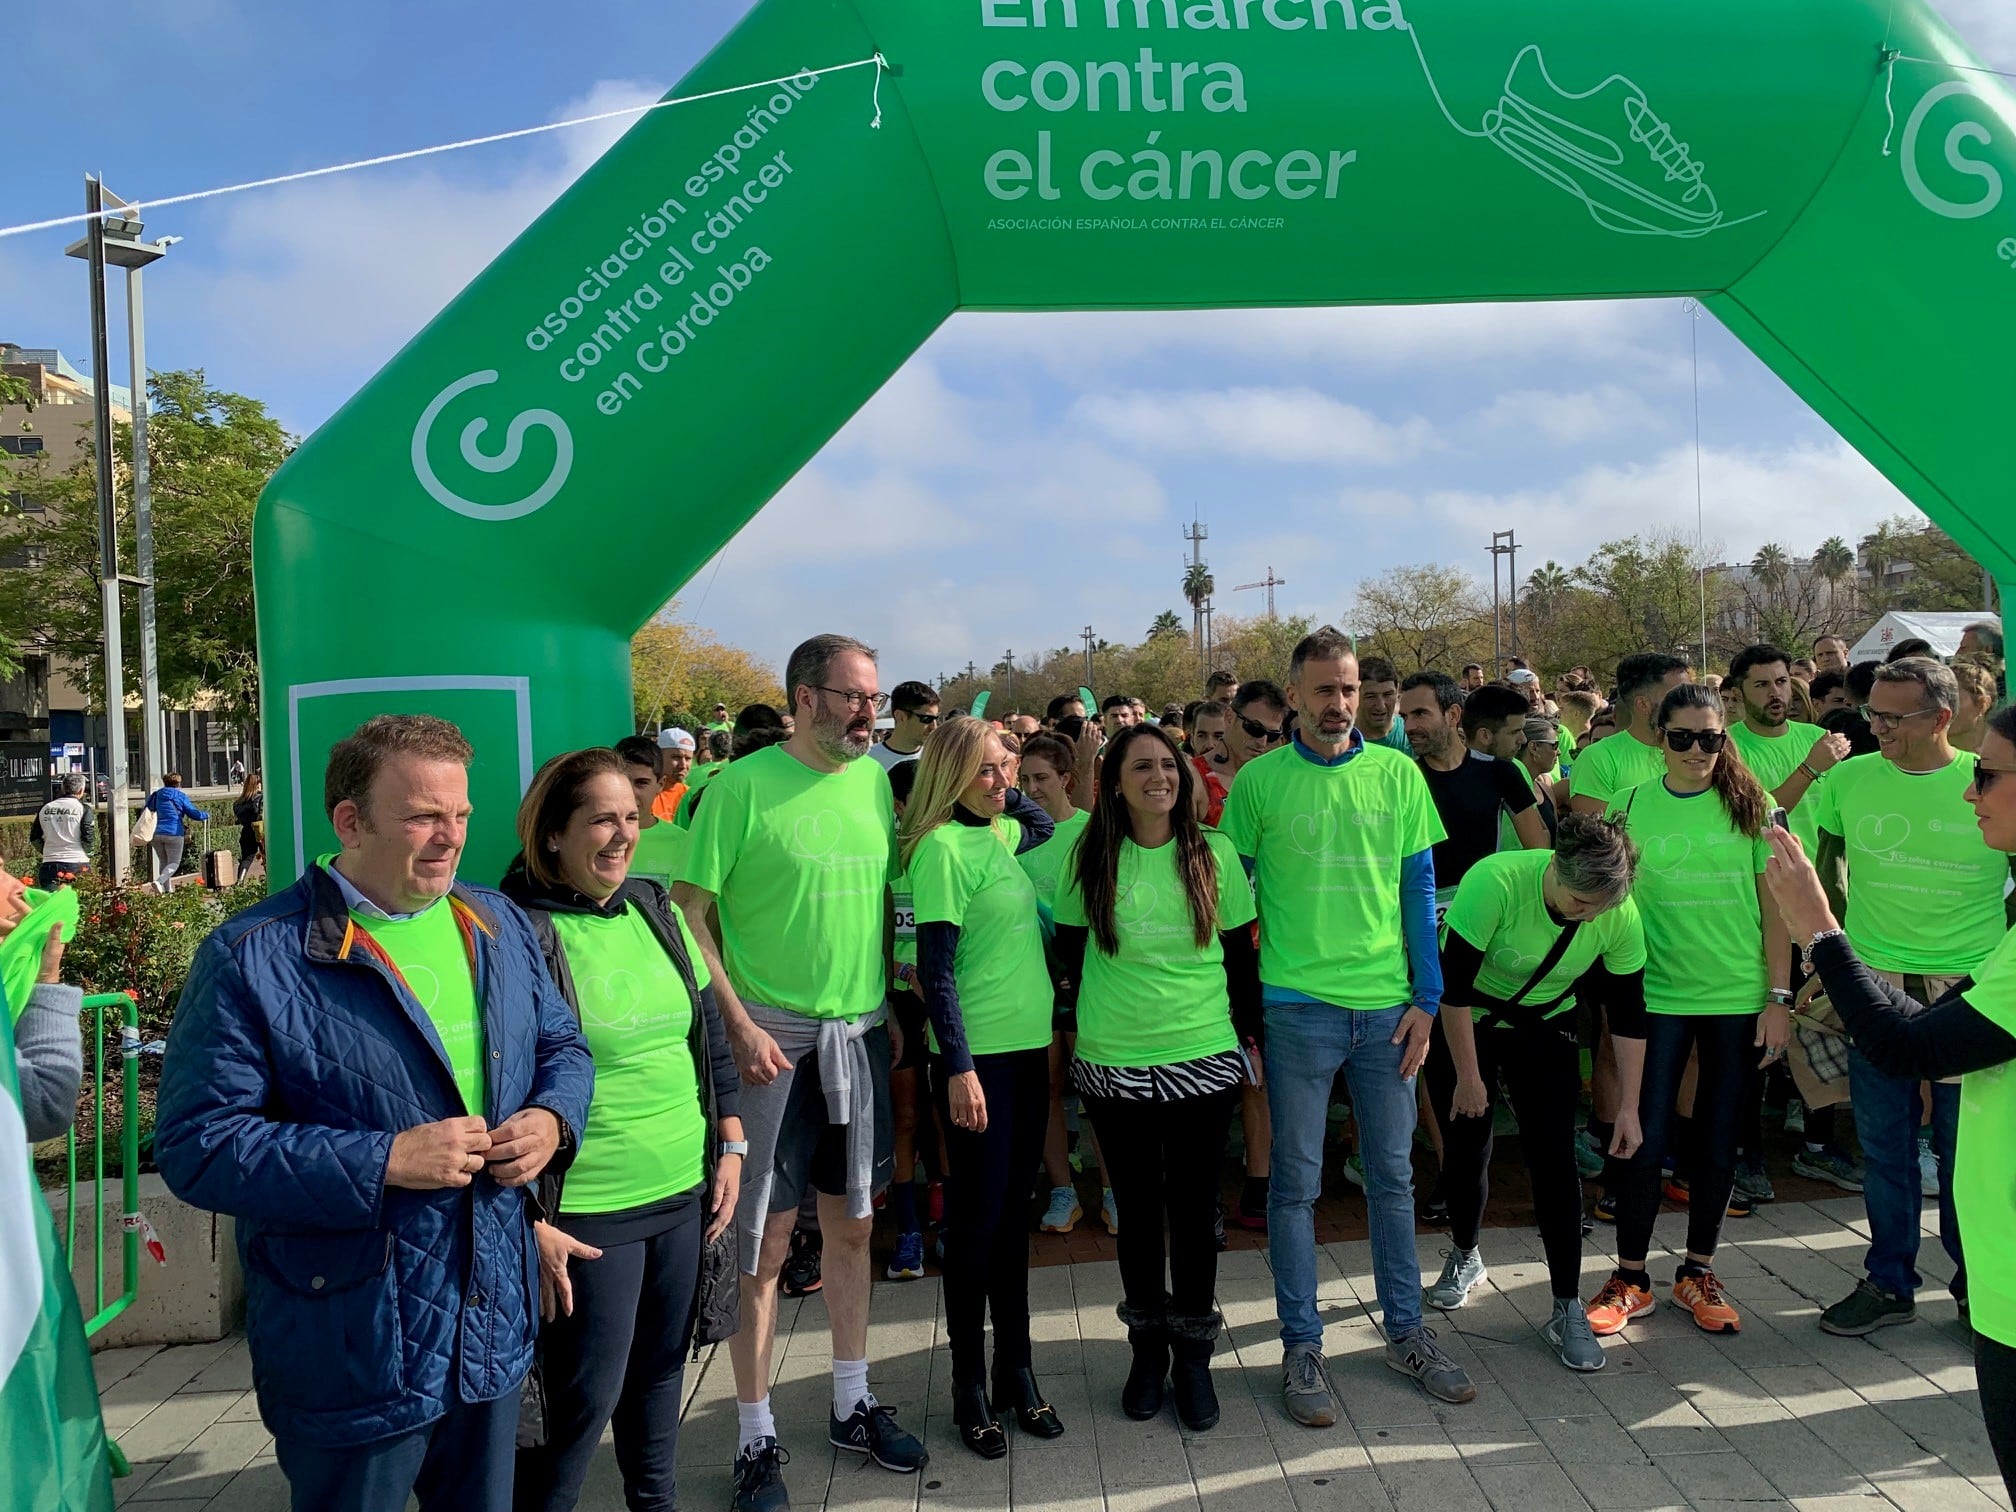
x=1726 y=1043
x=1540 y=1066
x=621 y=1354
x=986 y=1208
x=1995 y=1374
x=1163 y=1160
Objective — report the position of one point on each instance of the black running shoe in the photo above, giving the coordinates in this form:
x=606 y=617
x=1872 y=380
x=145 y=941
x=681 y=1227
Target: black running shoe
x=872 y=1430
x=759 y=1478
x=801 y=1266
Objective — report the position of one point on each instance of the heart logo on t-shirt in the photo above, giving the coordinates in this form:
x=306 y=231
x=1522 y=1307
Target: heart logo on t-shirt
x=1666 y=853
x=1879 y=833
x=1512 y=962
x=612 y=1001
x=1312 y=834
x=814 y=835
x=1132 y=905
x=424 y=985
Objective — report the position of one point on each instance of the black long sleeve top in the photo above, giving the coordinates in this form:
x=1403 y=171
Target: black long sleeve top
x=1902 y=1036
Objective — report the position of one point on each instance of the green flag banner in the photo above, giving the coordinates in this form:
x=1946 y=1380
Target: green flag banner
x=53 y=1455
x=696 y=316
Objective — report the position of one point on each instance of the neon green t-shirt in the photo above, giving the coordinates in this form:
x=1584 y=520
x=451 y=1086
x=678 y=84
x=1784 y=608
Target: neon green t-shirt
x=905 y=948
x=1501 y=909
x=1161 y=1000
x=1984 y=1172
x=21 y=951
x=659 y=851
x=1776 y=757
x=430 y=955
x=1613 y=766
x=1327 y=844
x=1697 y=901
x=1046 y=863
x=966 y=875
x=1567 y=743
x=646 y=1134
x=701 y=776
x=801 y=862
x=1924 y=889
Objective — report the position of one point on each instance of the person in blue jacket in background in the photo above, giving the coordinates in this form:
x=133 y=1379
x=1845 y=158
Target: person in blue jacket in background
x=171 y=808
x=366 y=1071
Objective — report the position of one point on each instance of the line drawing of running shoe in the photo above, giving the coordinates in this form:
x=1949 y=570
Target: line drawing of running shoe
x=1607 y=147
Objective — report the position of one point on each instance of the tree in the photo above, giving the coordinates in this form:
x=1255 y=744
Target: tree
x=1914 y=565
x=209 y=453
x=1772 y=565
x=1644 y=595
x=679 y=671
x=1198 y=586
x=1166 y=623
x=1835 y=563
x=1424 y=618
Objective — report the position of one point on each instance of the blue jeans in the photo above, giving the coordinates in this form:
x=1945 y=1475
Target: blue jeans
x=1887 y=1111
x=1306 y=1044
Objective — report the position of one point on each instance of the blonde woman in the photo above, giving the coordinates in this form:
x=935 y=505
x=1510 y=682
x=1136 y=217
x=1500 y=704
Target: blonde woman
x=987 y=995
x=1977 y=702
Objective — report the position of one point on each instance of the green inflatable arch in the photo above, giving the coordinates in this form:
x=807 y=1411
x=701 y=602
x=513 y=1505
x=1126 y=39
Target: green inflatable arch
x=479 y=532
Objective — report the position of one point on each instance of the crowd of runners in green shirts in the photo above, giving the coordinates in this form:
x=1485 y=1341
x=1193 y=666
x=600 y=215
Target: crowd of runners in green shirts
x=965 y=965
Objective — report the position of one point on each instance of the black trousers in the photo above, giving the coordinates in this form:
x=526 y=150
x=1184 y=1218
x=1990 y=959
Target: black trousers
x=1727 y=1050
x=457 y=1463
x=621 y=1356
x=987 y=1208
x=1163 y=1159
x=1539 y=1067
x=1995 y=1374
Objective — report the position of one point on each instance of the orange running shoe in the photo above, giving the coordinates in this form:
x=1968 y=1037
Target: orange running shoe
x=1702 y=1295
x=1617 y=1304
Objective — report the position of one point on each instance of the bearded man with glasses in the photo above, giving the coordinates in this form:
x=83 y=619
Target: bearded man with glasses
x=1924 y=908
x=796 y=845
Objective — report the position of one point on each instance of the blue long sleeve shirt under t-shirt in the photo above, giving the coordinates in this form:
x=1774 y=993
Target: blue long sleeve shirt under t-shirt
x=1417 y=905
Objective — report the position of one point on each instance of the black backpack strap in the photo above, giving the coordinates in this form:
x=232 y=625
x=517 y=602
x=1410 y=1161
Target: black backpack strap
x=1498 y=1012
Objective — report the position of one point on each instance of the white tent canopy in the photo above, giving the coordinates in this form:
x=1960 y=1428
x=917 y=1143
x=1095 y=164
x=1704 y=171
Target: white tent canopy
x=1942 y=630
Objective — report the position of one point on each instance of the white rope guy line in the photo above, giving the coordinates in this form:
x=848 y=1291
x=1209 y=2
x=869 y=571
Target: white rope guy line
x=875 y=61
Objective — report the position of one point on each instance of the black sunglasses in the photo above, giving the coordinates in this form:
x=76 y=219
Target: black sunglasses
x=1985 y=777
x=923 y=719
x=1710 y=741
x=1257 y=731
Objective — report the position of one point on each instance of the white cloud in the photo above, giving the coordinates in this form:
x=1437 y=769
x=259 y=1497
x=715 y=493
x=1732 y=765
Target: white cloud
x=1289 y=425
x=1570 y=418
x=1987 y=26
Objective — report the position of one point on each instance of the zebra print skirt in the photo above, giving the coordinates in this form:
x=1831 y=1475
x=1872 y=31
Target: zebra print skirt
x=1174 y=1083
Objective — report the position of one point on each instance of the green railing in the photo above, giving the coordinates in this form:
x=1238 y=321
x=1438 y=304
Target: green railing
x=96 y=1010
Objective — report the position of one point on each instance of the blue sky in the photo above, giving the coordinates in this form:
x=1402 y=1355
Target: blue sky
x=1023 y=476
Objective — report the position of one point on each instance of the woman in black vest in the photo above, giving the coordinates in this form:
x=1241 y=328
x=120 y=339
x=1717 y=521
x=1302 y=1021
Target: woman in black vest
x=660 y=1166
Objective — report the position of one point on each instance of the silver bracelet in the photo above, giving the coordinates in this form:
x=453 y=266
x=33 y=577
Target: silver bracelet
x=1806 y=950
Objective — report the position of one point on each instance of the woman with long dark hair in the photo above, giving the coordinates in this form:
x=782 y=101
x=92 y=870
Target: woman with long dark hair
x=987 y=994
x=1153 y=934
x=661 y=1156
x=1714 y=954
x=1528 y=932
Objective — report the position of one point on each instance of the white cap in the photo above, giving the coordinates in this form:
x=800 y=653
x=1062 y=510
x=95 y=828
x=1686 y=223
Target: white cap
x=675 y=740
x=1521 y=675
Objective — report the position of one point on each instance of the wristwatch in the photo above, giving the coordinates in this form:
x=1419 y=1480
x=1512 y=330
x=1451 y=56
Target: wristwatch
x=1806 y=950
x=735 y=1147
x=1781 y=996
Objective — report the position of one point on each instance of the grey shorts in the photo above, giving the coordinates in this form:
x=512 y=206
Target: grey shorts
x=810 y=1153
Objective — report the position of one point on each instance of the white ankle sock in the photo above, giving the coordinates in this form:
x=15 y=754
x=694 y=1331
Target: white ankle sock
x=850 y=1387
x=753 y=1421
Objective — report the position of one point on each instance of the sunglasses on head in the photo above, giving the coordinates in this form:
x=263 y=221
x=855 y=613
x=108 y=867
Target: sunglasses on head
x=1257 y=731
x=1710 y=741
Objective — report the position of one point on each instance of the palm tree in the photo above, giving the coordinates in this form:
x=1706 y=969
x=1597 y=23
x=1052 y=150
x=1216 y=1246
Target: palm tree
x=1198 y=586
x=1834 y=561
x=1771 y=565
x=1166 y=623
x=1546 y=581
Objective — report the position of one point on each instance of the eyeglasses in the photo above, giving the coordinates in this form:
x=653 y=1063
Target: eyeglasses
x=1257 y=731
x=923 y=719
x=1710 y=741
x=1880 y=721
x=1985 y=777
x=857 y=701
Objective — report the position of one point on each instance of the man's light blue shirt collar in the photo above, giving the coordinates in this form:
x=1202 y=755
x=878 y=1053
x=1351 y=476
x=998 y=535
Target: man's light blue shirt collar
x=1353 y=747
x=356 y=902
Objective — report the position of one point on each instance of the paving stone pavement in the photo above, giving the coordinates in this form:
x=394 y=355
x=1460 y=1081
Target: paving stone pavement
x=1781 y=1415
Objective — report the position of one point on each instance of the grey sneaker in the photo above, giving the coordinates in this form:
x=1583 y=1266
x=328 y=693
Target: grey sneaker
x=1753 y=1181
x=1418 y=1355
x=1866 y=1309
x=1462 y=1270
x=1305 y=1387
x=1829 y=1165
x=1569 y=1332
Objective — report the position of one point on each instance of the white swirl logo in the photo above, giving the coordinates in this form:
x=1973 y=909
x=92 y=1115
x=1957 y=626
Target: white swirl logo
x=503 y=461
x=1957 y=138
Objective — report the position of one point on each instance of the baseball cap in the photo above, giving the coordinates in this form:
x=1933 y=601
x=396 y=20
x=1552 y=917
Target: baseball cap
x=1521 y=676
x=675 y=740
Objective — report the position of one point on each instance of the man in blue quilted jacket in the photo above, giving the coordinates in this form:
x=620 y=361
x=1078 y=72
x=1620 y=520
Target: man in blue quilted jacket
x=366 y=1071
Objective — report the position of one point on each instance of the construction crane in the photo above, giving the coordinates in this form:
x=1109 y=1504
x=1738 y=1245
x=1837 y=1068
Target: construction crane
x=1270 y=583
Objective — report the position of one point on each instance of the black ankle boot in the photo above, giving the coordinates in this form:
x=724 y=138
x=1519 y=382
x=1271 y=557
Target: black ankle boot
x=1141 y=1397
x=978 y=1428
x=1016 y=1391
x=1190 y=1383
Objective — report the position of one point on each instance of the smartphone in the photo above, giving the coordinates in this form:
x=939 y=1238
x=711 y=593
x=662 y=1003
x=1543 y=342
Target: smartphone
x=1779 y=819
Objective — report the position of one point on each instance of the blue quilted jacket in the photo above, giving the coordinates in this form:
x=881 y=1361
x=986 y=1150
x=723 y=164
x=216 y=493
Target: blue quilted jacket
x=296 y=1055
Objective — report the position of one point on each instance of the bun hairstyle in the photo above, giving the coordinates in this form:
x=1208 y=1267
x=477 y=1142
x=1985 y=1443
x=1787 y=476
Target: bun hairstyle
x=1743 y=796
x=1595 y=858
